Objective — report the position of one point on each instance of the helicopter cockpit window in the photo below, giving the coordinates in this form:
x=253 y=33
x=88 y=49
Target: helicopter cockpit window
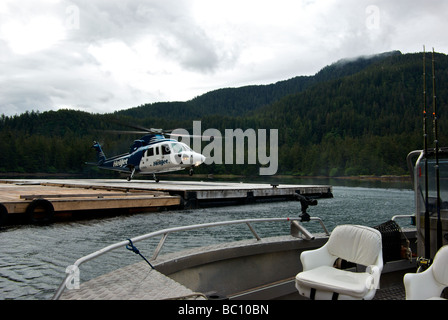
x=166 y=149
x=150 y=152
x=177 y=147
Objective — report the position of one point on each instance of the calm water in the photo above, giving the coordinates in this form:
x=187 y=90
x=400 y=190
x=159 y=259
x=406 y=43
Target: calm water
x=34 y=258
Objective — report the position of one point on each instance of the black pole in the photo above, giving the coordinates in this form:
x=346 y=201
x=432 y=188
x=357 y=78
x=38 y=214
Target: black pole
x=436 y=146
x=425 y=153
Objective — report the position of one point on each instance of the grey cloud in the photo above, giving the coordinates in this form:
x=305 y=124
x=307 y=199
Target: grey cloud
x=179 y=37
x=192 y=49
x=68 y=74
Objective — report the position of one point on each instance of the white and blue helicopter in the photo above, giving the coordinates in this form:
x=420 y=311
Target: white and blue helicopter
x=151 y=154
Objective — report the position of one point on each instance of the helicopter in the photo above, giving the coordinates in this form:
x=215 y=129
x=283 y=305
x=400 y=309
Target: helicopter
x=153 y=153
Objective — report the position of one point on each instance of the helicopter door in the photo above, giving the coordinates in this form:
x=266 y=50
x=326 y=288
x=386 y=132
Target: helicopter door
x=157 y=159
x=160 y=158
x=151 y=160
x=165 y=150
x=147 y=159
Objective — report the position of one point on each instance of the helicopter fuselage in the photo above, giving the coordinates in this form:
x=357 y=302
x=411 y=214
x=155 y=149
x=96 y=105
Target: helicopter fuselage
x=163 y=155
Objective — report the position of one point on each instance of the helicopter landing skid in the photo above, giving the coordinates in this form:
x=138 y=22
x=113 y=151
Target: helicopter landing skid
x=131 y=175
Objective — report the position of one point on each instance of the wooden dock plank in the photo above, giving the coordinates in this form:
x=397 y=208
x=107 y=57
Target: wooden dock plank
x=113 y=203
x=17 y=195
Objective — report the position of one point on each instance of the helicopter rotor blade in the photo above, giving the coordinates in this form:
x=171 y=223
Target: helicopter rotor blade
x=143 y=130
x=140 y=129
x=211 y=138
x=125 y=132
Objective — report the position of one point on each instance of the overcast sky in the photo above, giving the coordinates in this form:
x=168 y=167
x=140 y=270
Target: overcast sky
x=102 y=56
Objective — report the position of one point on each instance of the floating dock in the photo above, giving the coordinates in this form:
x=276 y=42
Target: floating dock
x=40 y=200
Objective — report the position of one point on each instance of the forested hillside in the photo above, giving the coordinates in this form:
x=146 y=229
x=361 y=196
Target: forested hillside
x=354 y=117
x=239 y=101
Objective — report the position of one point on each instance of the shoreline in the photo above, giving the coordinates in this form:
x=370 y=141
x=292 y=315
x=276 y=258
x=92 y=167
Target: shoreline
x=405 y=178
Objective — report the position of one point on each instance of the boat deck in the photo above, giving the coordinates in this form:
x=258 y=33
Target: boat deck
x=395 y=292
x=140 y=282
x=134 y=282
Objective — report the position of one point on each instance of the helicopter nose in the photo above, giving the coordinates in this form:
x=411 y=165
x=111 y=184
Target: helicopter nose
x=199 y=159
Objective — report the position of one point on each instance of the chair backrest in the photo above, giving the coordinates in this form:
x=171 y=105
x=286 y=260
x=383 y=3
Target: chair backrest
x=358 y=244
x=440 y=266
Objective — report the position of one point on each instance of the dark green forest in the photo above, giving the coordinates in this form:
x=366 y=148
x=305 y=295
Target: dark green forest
x=354 y=117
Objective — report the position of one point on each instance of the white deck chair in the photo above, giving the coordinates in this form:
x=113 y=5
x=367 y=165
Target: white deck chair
x=358 y=244
x=430 y=283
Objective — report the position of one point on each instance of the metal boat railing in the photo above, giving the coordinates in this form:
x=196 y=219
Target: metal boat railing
x=403 y=216
x=165 y=232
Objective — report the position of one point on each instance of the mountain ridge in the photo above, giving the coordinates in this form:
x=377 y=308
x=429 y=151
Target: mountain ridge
x=240 y=100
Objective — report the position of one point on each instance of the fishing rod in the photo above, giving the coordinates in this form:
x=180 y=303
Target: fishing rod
x=436 y=146
x=425 y=153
